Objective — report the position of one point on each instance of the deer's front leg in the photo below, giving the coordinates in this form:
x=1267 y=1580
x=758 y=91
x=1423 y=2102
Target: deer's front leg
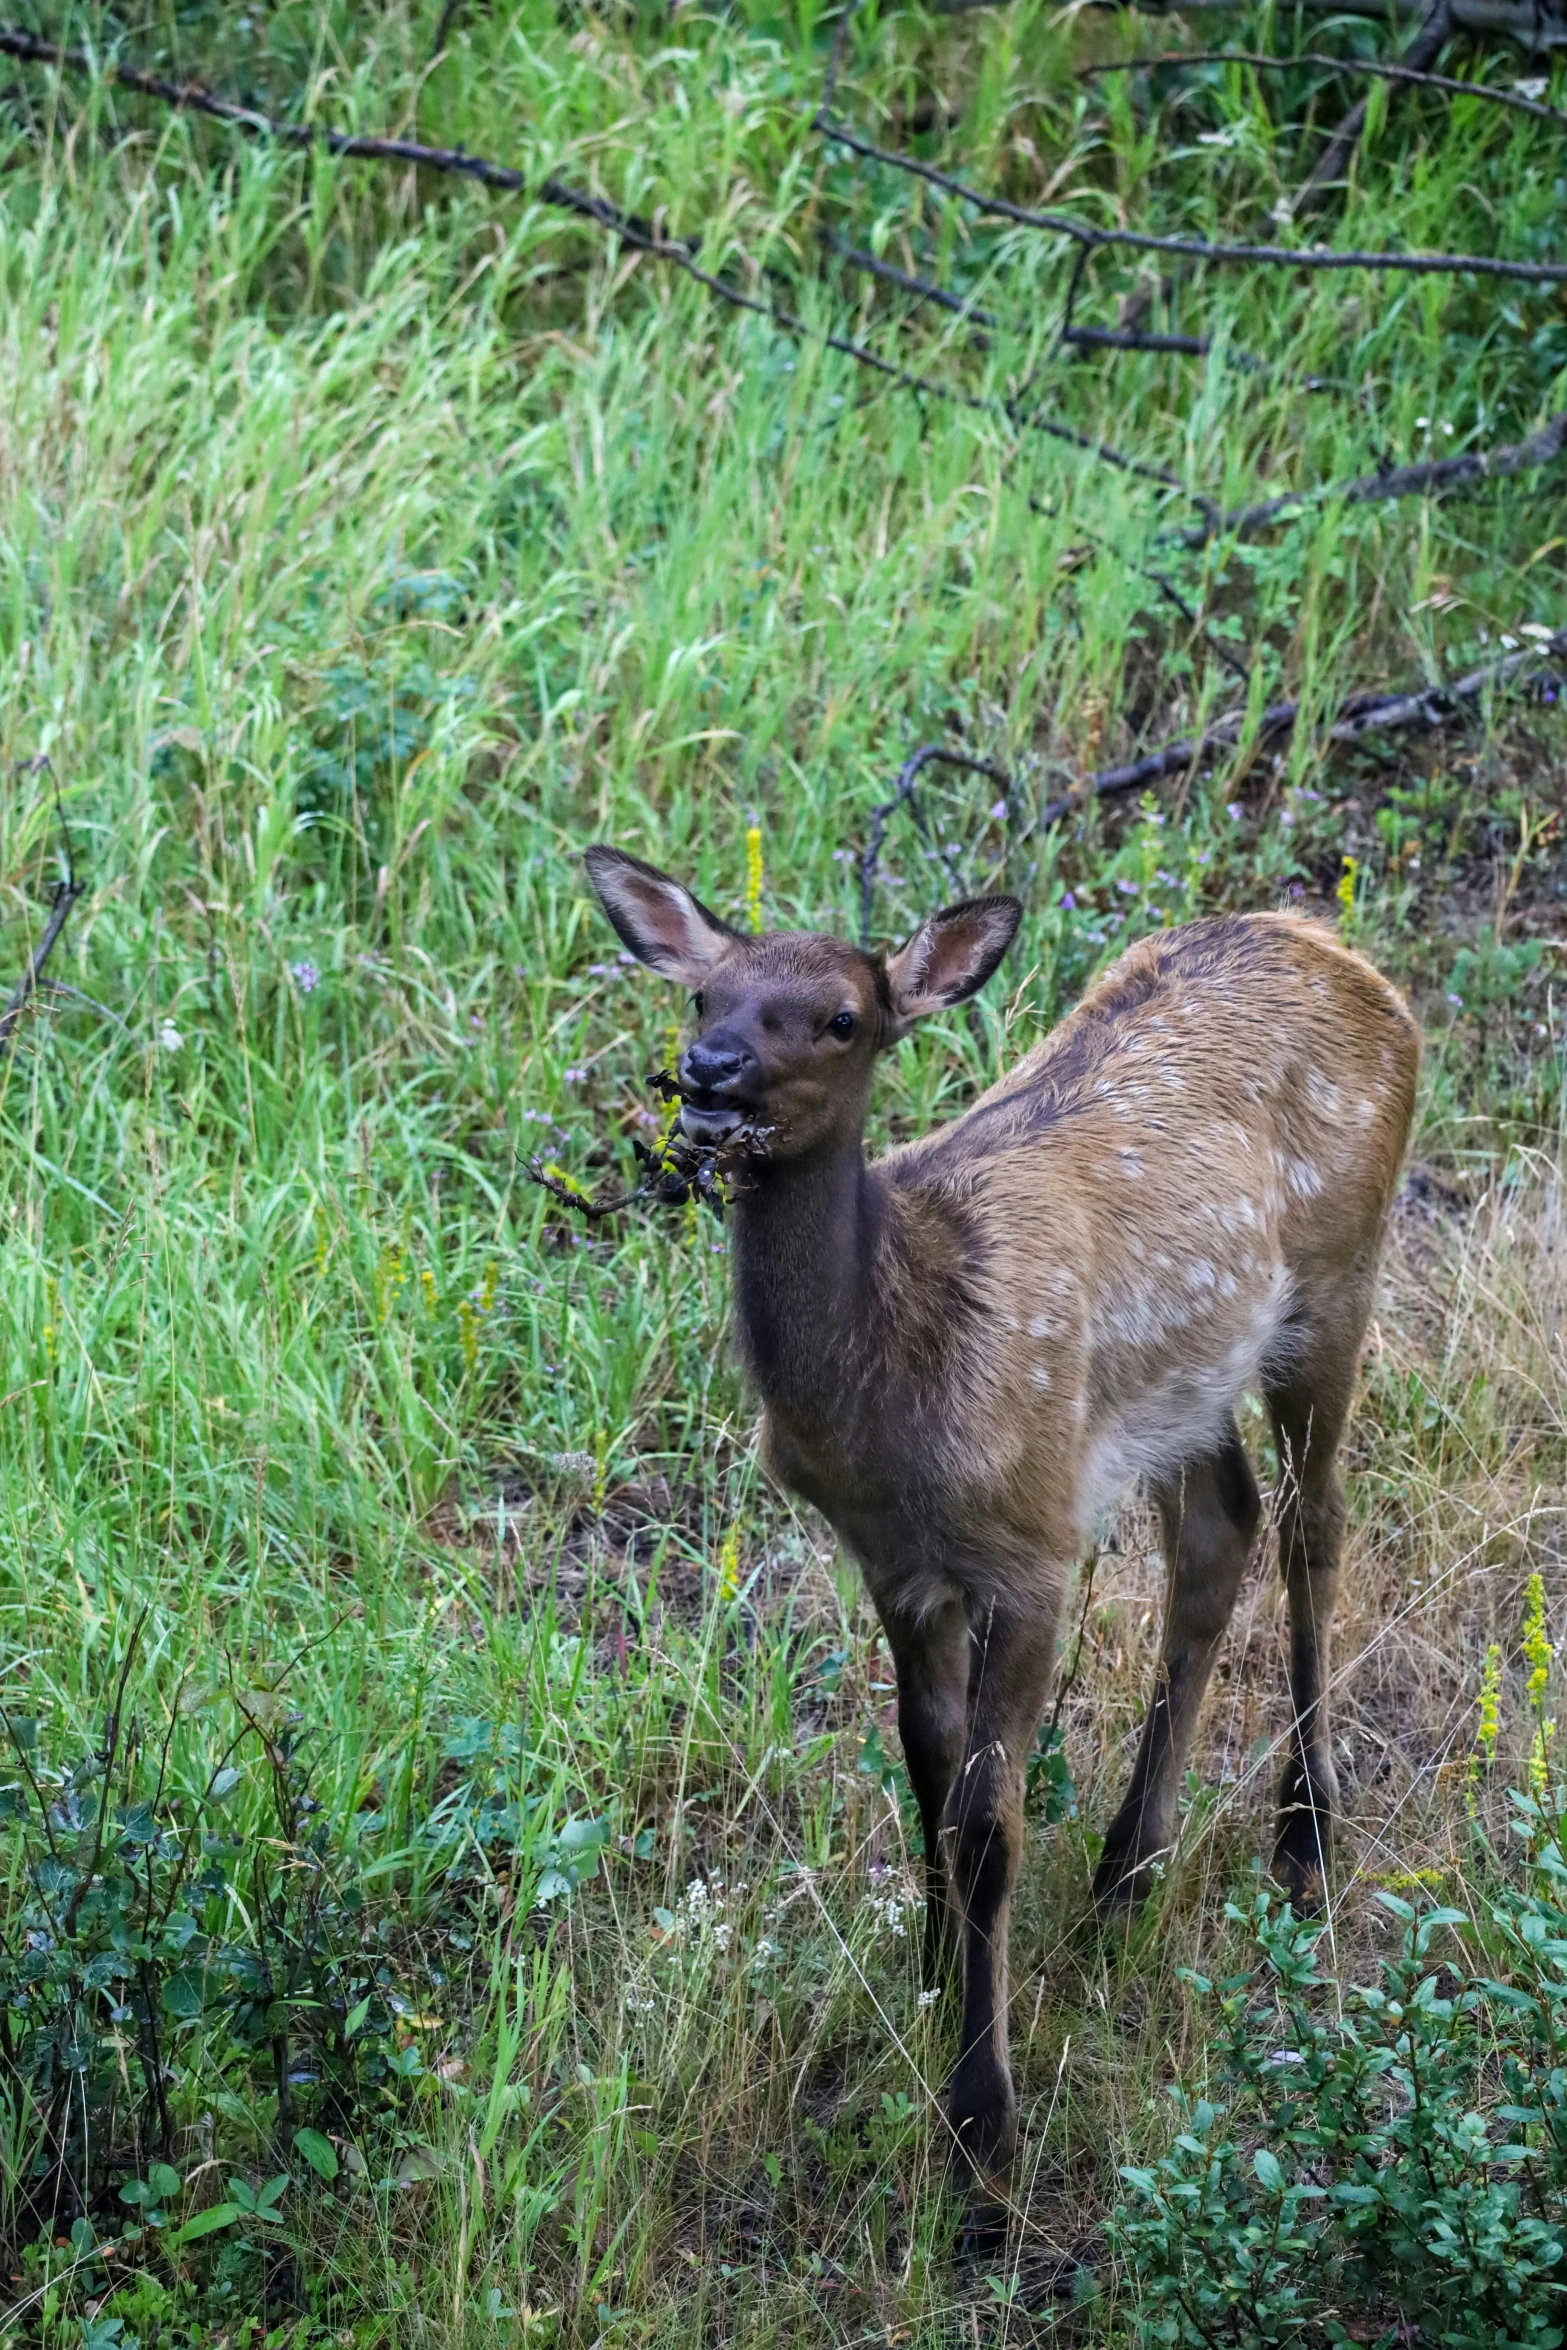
x=1011 y=1663
x=931 y=1656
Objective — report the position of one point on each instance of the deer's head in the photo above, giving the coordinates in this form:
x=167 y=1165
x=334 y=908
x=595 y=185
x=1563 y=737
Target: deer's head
x=788 y=1023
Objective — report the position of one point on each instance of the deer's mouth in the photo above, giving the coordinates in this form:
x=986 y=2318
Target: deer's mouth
x=710 y=1120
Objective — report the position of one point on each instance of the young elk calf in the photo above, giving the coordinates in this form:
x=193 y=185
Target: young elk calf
x=970 y=1349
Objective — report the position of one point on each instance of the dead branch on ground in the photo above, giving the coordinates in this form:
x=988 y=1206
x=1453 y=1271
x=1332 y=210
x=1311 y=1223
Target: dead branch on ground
x=1428 y=479
x=1336 y=157
x=1192 y=248
x=1358 y=716
x=1265 y=62
x=65 y=895
x=1531 y=24
x=903 y=795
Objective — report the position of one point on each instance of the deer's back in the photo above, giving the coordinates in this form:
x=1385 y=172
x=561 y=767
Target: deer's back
x=1165 y=1197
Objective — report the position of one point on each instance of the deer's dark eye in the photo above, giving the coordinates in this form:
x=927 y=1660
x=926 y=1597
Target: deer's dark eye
x=842 y=1024
x=697 y=1005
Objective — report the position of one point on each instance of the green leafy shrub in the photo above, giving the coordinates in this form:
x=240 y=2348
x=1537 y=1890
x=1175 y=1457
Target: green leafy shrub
x=1390 y=2170
x=169 y=1951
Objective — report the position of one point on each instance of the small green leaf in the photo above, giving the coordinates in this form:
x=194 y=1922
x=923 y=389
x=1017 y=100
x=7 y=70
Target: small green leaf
x=583 y=1835
x=224 y=1784
x=318 y=2151
x=205 y=2223
x=1266 y=2166
x=164 y=2181
x=355 y=2020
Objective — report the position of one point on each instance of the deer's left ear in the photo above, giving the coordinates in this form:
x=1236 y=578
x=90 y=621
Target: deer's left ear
x=949 y=958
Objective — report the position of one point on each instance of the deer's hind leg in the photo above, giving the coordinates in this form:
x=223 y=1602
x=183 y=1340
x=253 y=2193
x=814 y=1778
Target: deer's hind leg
x=1210 y=1514
x=1309 y=1409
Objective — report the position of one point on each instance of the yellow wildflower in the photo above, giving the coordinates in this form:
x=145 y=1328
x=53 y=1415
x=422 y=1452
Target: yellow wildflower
x=1538 y=1655
x=729 y=1565
x=753 y=875
x=1490 y=1720
x=1346 y=892
x=468 y=1331
x=389 y=1278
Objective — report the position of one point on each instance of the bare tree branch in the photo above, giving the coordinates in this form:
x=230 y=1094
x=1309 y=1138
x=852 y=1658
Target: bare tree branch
x=633 y=230
x=1360 y=715
x=985 y=322
x=1528 y=22
x=66 y=893
x=1335 y=159
x=903 y=795
x=1432 y=478
x=1193 y=248
x=1265 y=62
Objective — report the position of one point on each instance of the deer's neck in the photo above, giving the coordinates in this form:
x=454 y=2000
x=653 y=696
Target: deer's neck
x=803 y=1248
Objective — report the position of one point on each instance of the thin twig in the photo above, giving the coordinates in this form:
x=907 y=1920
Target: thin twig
x=66 y=893
x=595 y=1210
x=983 y=323
x=89 y=1003
x=1266 y=63
x=443 y=31
x=1360 y=715
x=65 y=896
x=1525 y=21
x=903 y=791
x=1193 y=248
x=1430 y=478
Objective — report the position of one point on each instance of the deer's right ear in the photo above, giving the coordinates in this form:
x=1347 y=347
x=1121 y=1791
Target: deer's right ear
x=663 y=925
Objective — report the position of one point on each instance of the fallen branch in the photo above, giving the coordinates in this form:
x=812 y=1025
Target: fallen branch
x=1431 y=478
x=66 y=893
x=930 y=754
x=1527 y=22
x=1424 y=50
x=1360 y=715
x=1192 y=248
x=65 y=896
x=1451 y=84
x=1095 y=338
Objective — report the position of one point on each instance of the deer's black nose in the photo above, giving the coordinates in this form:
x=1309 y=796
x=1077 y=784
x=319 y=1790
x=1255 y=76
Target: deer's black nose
x=717 y=1064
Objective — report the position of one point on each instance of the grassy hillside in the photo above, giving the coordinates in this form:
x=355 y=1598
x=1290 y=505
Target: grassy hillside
x=511 y=1853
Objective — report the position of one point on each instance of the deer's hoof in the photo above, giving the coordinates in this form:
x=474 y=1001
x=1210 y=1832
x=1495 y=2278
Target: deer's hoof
x=1122 y=1881
x=982 y=2236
